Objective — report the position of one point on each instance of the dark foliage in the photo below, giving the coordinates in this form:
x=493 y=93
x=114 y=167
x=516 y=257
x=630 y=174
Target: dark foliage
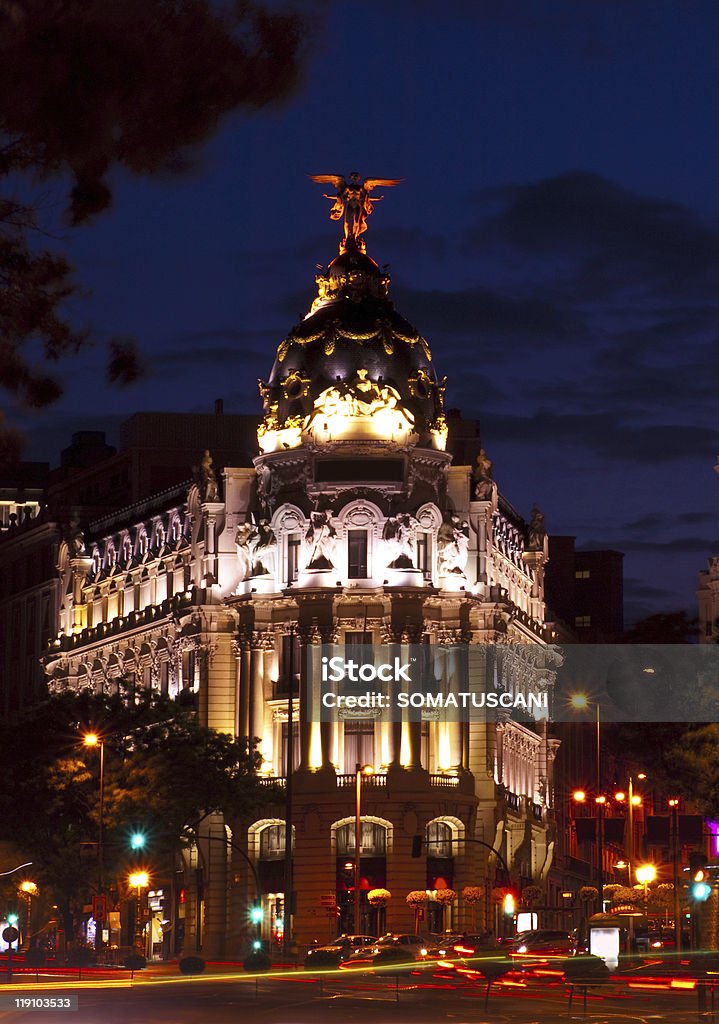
x=87 y=87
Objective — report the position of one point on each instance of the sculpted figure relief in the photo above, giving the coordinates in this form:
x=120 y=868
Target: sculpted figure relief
x=262 y=545
x=206 y=479
x=397 y=535
x=321 y=541
x=536 y=532
x=352 y=201
x=452 y=546
x=483 y=481
x=242 y=546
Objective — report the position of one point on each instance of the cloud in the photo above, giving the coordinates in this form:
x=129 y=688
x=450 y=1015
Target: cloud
x=483 y=312
x=653 y=521
x=606 y=436
x=617 y=239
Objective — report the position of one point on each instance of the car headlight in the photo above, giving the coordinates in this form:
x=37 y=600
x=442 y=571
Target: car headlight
x=423 y=952
x=521 y=949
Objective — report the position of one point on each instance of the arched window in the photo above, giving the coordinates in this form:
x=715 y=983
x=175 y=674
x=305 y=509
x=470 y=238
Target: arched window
x=373 y=839
x=439 y=839
x=272 y=842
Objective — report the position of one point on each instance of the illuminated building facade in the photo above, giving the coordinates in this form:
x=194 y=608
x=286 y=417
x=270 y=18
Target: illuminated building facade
x=353 y=526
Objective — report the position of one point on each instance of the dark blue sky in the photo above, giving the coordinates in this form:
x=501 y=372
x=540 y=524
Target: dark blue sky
x=556 y=239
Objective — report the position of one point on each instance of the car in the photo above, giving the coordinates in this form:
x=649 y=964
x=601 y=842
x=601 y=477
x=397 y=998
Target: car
x=344 y=947
x=543 y=942
x=461 y=945
x=405 y=947
x=417 y=944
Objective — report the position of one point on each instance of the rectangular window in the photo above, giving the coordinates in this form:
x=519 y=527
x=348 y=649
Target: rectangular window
x=359 y=744
x=424 y=551
x=293 y=557
x=295 y=747
x=357 y=554
x=582 y=574
x=290 y=665
x=582 y=621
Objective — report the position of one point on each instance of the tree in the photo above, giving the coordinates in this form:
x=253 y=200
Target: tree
x=88 y=87
x=163 y=771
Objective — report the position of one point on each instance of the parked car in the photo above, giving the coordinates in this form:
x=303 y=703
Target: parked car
x=344 y=947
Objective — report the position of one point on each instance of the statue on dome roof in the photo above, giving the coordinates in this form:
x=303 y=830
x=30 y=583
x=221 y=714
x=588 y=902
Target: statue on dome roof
x=352 y=200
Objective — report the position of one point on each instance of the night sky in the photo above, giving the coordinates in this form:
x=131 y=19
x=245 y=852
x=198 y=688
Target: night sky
x=555 y=238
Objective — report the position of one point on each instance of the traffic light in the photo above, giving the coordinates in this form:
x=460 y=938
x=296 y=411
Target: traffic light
x=701 y=890
x=701 y=884
x=416 y=846
x=256 y=915
x=509 y=903
x=137 y=841
x=12 y=919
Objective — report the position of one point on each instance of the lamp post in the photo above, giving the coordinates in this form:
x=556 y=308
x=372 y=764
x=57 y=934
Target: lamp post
x=29 y=889
x=674 y=824
x=139 y=880
x=580 y=701
x=91 y=739
x=646 y=873
x=359 y=772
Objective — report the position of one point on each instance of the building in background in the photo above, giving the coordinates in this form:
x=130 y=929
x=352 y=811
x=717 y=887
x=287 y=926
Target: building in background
x=585 y=591
x=353 y=525
x=708 y=598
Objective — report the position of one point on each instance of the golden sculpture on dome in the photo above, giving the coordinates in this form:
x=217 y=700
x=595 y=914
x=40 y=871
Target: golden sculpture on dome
x=352 y=200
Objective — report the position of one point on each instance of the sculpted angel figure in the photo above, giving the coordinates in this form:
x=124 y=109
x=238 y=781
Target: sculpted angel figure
x=452 y=546
x=321 y=541
x=263 y=549
x=397 y=535
x=352 y=200
x=242 y=546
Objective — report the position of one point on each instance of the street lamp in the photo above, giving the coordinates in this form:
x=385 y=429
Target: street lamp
x=139 y=880
x=29 y=889
x=360 y=770
x=581 y=702
x=646 y=873
x=91 y=739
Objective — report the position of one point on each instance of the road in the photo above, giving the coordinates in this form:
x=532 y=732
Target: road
x=298 y=998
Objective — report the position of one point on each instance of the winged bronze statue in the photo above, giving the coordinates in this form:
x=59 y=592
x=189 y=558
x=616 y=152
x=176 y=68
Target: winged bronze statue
x=352 y=200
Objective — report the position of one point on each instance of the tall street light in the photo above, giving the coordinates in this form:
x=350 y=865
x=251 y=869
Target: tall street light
x=91 y=739
x=29 y=889
x=138 y=881
x=361 y=770
x=674 y=819
x=646 y=873
x=580 y=702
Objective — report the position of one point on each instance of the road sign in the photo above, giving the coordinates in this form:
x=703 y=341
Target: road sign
x=99 y=907
x=10 y=934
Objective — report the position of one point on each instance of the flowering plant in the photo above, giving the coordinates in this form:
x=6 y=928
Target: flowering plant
x=416 y=898
x=473 y=893
x=445 y=896
x=378 y=897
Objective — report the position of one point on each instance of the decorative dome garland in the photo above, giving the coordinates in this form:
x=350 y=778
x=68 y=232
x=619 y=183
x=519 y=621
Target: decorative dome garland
x=379 y=897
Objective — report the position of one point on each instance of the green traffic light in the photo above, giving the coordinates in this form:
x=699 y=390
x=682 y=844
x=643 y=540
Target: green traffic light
x=701 y=891
x=12 y=919
x=137 y=840
x=256 y=915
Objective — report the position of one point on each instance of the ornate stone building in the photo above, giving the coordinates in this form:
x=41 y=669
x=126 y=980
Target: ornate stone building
x=354 y=527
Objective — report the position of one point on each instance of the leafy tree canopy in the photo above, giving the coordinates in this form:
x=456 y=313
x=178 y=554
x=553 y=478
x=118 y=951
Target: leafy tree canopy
x=163 y=772
x=89 y=86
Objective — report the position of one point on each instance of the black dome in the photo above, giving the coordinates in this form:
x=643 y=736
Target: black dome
x=353 y=326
